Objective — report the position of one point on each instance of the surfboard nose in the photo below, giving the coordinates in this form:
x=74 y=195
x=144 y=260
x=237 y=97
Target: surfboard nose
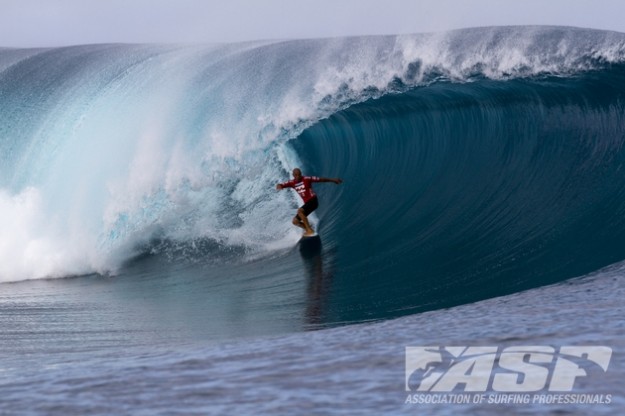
x=310 y=246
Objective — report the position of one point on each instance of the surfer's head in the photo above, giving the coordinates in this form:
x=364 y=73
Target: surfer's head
x=297 y=173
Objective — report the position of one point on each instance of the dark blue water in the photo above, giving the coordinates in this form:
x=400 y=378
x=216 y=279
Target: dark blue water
x=463 y=192
x=143 y=244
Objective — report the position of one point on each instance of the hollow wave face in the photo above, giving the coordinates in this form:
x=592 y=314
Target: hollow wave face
x=459 y=192
x=108 y=149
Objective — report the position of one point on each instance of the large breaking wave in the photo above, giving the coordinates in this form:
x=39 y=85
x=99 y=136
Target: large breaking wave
x=476 y=162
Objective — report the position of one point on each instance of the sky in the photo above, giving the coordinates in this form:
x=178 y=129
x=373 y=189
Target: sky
x=32 y=23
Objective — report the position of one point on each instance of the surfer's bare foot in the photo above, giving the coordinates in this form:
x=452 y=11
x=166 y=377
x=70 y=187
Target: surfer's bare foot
x=309 y=233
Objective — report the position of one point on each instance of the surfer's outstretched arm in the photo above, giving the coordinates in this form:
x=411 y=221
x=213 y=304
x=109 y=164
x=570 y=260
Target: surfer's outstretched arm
x=283 y=185
x=335 y=180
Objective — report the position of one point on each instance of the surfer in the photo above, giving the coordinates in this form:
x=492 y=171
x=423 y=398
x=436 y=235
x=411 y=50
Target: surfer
x=303 y=186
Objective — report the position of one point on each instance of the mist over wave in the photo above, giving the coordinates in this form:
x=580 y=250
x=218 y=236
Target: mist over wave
x=106 y=149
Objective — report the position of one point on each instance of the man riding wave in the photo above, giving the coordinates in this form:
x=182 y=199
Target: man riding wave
x=303 y=186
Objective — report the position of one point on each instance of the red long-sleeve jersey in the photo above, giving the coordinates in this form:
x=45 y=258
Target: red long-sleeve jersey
x=303 y=187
